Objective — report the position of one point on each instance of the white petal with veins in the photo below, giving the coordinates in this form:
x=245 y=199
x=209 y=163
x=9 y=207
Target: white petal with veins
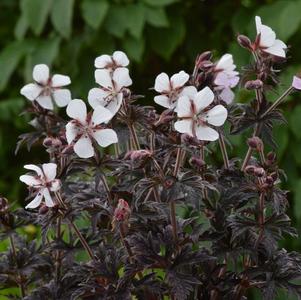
x=83 y=147
x=77 y=110
x=41 y=74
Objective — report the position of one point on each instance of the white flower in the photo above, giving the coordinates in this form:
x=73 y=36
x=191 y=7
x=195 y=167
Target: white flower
x=196 y=117
x=118 y=59
x=171 y=89
x=43 y=182
x=226 y=77
x=85 y=128
x=45 y=89
x=109 y=95
x=267 y=40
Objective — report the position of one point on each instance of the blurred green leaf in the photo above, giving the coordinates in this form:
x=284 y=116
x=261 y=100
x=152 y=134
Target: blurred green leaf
x=135 y=24
x=166 y=41
x=94 y=12
x=160 y=2
x=156 y=16
x=295 y=122
x=281 y=134
x=10 y=108
x=134 y=48
x=36 y=13
x=116 y=20
x=61 y=16
x=21 y=27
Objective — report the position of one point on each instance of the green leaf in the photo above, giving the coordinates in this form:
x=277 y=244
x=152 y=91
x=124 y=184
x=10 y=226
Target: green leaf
x=289 y=20
x=36 y=13
x=9 y=59
x=21 y=27
x=116 y=20
x=61 y=16
x=165 y=41
x=156 y=16
x=94 y=12
x=10 y=108
x=295 y=122
x=159 y=2
x=136 y=19
x=134 y=48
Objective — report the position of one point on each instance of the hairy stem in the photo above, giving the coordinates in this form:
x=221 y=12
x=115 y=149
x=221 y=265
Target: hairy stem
x=19 y=279
x=224 y=151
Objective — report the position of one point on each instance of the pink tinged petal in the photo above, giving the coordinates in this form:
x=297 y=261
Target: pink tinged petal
x=184 y=107
x=97 y=97
x=203 y=98
x=217 y=115
x=205 y=133
x=77 y=110
x=121 y=78
x=45 y=102
x=59 y=80
x=105 y=137
x=184 y=126
x=55 y=185
x=222 y=79
x=179 y=79
x=36 y=201
x=296 y=83
x=71 y=132
x=102 y=61
x=83 y=147
x=62 y=97
x=49 y=171
x=103 y=78
x=162 y=83
x=34 y=168
x=41 y=74
x=225 y=63
x=101 y=115
x=189 y=91
x=227 y=95
x=30 y=180
x=120 y=58
x=48 y=199
x=31 y=91
x=163 y=101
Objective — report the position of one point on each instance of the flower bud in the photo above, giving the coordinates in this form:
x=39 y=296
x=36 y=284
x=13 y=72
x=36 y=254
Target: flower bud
x=68 y=150
x=244 y=42
x=250 y=169
x=269 y=180
x=3 y=205
x=271 y=158
x=122 y=211
x=259 y=172
x=197 y=162
x=138 y=154
x=254 y=84
x=207 y=55
x=274 y=175
x=190 y=140
x=52 y=142
x=43 y=209
x=255 y=143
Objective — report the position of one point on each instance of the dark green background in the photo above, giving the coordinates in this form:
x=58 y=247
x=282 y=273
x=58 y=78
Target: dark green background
x=157 y=35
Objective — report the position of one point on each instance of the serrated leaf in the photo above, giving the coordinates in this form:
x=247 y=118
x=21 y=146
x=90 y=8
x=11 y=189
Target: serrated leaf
x=94 y=12
x=61 y=16
x=36 y=13
x=166 y=40
x=134 y=48
x=159 y=2
x=156 y=16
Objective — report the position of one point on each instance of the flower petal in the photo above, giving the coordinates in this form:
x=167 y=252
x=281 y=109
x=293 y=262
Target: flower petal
x=162 y=83
x=189 y=91
x=184 y=126
x=34 y=168
x=55 y=185
x=277 y=49
x=103 y=78
x=41 y=74
x=49 y=171
x=96 y=97
x=62 y=97
x=31 y=91
x=179 y=79
x=101 y=115
x=296 y=83
x=30 y=180
x=267 y=35
x=71 y=132
x=227 y=95
x=59 y=80
x=217 y=115
x=120 y=58
x=36 y=201
x=102 y=61
x=121 y=78
x=225 y=63
x=77 y=110
x=105 y=137
x=163 y=101
x=83 y=147
x=184 y=107
x=45 y=102
x=205 y=133
x=203 y=98
x=48 y=199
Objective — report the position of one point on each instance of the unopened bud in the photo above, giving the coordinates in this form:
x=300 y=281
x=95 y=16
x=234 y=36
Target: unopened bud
x=255 y=143
x=197 y=162
x=168 y=183
x=138 y=154
x=190 y=140
x=122 y=211
x=271 y=157
x=52 y=142
x=68 y=150
x=43 y=209
x=250 y=169
x=244 y=42
x=254 y=84
x=204 y=56
x=3 y=205
x=269 y=180
x=274 y=175
x=259 y=172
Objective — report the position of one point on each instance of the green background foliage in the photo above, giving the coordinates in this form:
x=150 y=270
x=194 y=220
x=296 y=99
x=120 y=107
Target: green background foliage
x=157 y=35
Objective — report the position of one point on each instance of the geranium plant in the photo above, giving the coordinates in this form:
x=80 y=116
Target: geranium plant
x=135 y=204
